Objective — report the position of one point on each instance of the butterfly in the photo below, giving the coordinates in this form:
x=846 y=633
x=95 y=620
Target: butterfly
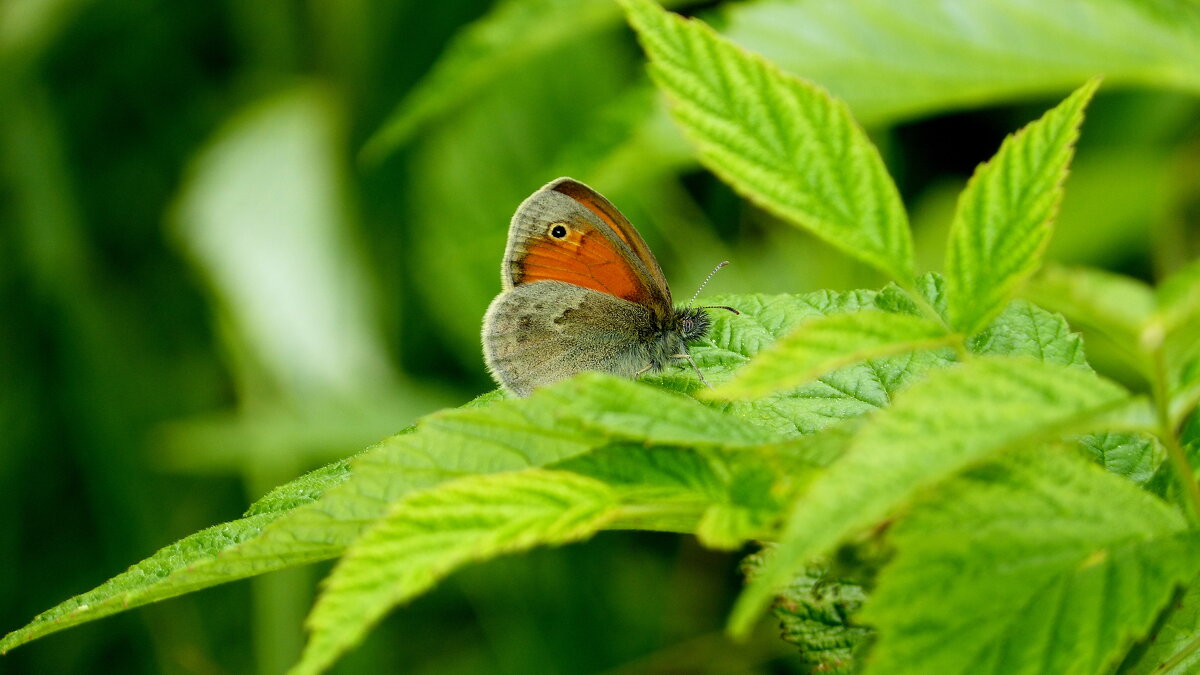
x=582 y=291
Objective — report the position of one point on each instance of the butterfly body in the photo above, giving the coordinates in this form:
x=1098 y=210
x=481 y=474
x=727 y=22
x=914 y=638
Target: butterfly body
x=581 y=291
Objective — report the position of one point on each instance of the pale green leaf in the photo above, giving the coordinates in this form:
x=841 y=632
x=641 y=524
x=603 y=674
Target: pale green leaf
x=1174 y=647
x=892 y=61
x=1024 y=329
x=834 y=397
x=1002 y=222
x=1115 y=306
x=316 y=516
x=931 y=286
x=778 y=140
x=430 y=533
x=953 y=418
x=264 y=215
x=826 y=344
x=1037 y=563
x=725 y=497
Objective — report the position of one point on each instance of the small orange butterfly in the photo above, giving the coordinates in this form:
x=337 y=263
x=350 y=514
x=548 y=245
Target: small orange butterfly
x=582 y=291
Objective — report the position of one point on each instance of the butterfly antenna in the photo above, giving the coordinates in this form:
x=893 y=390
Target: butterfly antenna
x=706 y=280
x=705 y=283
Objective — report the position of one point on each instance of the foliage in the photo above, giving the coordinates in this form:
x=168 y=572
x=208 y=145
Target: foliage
x=944 y=481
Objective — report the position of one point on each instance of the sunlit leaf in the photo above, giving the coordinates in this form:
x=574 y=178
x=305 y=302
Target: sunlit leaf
x=1003 y=219
x=826 y=344
x=428 y=534
x=778 y=140
x=1041 y=564
x=951 y=419
x=893 y=61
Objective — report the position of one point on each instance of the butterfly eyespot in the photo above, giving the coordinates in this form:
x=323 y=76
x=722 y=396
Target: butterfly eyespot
x=558 y=231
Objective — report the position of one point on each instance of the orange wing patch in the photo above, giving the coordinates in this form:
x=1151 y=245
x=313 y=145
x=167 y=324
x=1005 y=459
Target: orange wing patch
x=585 y=259
x=604 y=211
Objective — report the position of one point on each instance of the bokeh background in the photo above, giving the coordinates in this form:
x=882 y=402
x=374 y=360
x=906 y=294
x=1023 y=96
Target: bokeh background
x=241 y=239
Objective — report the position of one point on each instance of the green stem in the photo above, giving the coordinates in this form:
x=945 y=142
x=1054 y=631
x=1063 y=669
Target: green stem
x=1166 y=429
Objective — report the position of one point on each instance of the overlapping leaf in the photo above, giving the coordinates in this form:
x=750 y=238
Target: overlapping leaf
x=286 y=528
x=1041 y=564
x=780 y=141
x=953 y=418
x=1003 y=219
x=428 y=534
x=832 y=342
x=892 y=61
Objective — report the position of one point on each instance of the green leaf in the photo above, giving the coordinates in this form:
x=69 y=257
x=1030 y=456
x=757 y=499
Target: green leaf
x=840 y=395
x=778 y=140
x=430 y=533
x=316 y=516
x=303 y=490
x=1024 y=329
x=1114 y=306
x=1040 y=564
x=724 y=497
x=1002 y=223
x=1131 y=455
x=1174 y=647
x=894 y=61
x=826 y=344
x=814 y=613
x=953 y=418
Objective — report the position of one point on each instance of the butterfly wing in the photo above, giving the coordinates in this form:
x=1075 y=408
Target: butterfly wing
x=537 y=334
x=568 y=232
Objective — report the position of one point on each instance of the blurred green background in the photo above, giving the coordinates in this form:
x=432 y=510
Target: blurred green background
x=241 y=239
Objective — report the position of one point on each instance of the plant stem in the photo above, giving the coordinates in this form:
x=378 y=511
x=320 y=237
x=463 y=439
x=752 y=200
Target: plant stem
x=1166 y=429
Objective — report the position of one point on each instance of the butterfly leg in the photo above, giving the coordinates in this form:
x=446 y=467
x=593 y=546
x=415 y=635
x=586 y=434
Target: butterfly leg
x=643 y=371
x=688 y=357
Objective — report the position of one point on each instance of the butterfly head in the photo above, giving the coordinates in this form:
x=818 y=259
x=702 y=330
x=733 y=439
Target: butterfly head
x=691 y=323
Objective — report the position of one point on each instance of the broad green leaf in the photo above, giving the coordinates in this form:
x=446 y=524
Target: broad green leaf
x=1003 y=219
x=845 y=393
x=1174 y=647
x=430 y=533
x=814 y=614
x=1024 y=329
x=1115 y=306
x=780 y=141
x=955 y=417
x=303 y=490
x=893 y=61
x=826 y=344
x=931 y=286
x=1132 y=455
x=316 y=516
x=724 y=497
x=1036 y=563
